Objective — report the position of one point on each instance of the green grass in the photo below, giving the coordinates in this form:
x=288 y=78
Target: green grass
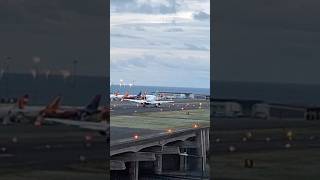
x=163 y=120
x=275 y=165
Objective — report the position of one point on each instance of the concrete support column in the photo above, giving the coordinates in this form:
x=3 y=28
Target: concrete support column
x=201 y=150
x=158 y=164
x=134 y=170
x=183 y=162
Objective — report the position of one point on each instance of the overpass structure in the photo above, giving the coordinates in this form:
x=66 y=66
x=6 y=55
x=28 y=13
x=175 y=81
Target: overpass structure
x=177 y=152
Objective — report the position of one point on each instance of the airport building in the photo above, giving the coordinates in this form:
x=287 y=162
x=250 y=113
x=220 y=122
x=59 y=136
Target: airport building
x=233 y=107
x=313 y=113
x=260 y=109
x=278 y=111
x=181 y=95
x=226 y=109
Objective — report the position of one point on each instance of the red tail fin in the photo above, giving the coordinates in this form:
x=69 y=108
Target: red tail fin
x=55 y=104
x=23 y=101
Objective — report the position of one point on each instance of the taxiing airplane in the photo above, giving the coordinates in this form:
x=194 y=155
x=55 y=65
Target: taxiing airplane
x=149 y=100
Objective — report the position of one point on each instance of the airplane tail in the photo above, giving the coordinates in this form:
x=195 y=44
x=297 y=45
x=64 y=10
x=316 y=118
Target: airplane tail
x=139 y=95
x=94 y=104
x=55 y=103
x=23 y=101
x=125 y=96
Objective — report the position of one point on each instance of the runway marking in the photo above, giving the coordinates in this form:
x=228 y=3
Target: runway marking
x=6 y=155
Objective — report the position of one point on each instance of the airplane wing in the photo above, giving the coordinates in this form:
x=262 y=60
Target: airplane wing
x=136 y=101
x=162 y=102
x=97 y=126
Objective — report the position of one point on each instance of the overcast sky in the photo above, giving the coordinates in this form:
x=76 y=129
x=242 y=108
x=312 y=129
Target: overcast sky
x=56 y=31
x=267 y=41
x=160 y=42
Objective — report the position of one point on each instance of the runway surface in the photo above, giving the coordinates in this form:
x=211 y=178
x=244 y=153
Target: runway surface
x=130 y=108
x=230 y=135
x=24 y=147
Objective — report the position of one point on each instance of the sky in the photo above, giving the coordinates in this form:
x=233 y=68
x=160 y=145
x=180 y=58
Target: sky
x=266 y=41
x=55 y=31
x=160 y=42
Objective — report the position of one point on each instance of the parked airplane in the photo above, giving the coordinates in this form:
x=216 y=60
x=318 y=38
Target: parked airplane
x=72 y=113
x=20 y=111
x=116 y=96
x=119 y=97
x=102 y=126
x=127 y=96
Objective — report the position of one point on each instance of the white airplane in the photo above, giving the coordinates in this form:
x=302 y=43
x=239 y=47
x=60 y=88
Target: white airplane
x=149 y=100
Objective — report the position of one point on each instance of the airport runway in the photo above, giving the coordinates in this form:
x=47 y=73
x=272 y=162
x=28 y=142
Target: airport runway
x=268 y=135
x=56 y=147
x=49 y=148
x=130 y=108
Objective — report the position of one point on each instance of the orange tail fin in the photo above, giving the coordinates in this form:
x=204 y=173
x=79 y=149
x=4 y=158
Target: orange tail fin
x=55 y=104
x=23 y=101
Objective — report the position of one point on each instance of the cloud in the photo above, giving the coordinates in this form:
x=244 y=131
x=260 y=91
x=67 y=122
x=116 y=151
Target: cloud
x=201 y=15
x=124 y=36
x=194 y=47
x=173 y=49
x=174 y=30
x=145 y=6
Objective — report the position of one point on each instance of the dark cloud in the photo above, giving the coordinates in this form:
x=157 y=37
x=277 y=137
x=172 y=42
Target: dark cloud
x=201 y=15
x=161 y=7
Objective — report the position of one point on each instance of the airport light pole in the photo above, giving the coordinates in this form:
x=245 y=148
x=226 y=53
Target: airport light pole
x=74 y=72
x=7 y=69
x=36 y=61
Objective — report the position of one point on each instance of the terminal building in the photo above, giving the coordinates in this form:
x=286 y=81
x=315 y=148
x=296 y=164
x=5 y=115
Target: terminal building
x=181 y=95
x=260 y=109
x=278 y=111
x=232 y=107
x=313 y=113
x=226 y=109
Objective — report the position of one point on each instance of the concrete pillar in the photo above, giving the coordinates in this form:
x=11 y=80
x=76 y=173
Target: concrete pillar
x=158 y=164
x=183 y=162
x=201 y=150
x=134 y=170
